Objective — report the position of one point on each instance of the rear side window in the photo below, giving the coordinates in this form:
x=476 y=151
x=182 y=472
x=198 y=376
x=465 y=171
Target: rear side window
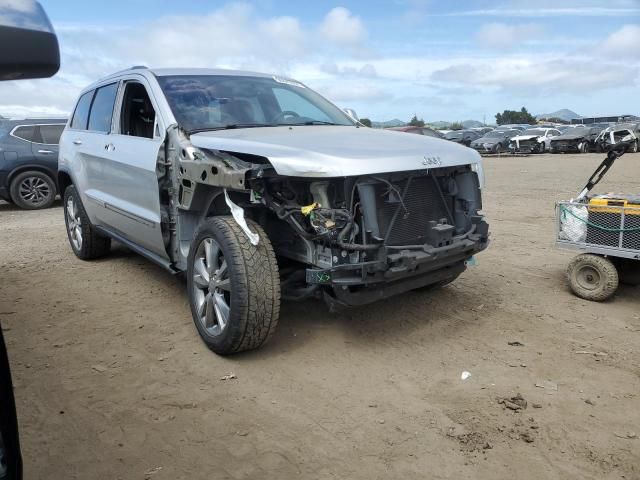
x=102 y=108
x=50 y=134
x=81 y=115
x=26 y=132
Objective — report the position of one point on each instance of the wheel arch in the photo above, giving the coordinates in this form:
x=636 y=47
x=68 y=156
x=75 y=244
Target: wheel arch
x=64 y=180
x=32 y=168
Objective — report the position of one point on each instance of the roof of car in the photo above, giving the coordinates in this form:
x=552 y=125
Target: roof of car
x=163 y=72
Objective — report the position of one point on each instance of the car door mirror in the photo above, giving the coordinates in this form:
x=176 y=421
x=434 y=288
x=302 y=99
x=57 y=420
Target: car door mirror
x=30 y=46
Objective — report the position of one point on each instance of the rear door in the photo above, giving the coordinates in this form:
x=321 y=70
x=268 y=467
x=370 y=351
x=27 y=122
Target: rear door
x=45 y=148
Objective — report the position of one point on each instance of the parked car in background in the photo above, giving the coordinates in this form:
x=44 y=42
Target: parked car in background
x=512 y=126
x=495 y=141
x=464 y=137
x=533 y=140
x=622 y=132
x=29 y=161
x=482 y=130
x=578 y=140
x=430 y=132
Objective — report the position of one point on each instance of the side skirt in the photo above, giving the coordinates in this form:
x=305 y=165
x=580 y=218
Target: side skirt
x=140 y=250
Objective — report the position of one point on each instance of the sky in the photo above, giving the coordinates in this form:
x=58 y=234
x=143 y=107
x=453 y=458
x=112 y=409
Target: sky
x=449 y=61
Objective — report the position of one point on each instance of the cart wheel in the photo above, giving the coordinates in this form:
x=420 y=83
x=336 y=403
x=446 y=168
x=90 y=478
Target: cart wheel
x=628 y=271
x=592 y=277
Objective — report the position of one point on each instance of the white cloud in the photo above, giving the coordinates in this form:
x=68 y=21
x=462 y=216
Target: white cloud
x=623 y=43
x=341 y=27
x=504 y=36
x=367 y=70
x=578 y=11
x=539 y=76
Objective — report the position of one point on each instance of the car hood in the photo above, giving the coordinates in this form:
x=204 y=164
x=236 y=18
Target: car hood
x=337 y=151
x=520 y=138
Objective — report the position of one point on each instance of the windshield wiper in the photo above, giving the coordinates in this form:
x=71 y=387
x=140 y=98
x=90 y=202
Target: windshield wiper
x=310 y=122
x=230 y=126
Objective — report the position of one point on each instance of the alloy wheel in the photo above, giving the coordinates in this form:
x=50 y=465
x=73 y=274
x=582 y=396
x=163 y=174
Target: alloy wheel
x=74 y=224
x=211 y=287
x=34 y=191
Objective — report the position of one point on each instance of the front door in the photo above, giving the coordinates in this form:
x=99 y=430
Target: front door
x=130 y=153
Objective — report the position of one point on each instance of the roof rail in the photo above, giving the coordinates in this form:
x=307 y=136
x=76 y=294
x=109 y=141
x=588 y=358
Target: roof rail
x=139 y=67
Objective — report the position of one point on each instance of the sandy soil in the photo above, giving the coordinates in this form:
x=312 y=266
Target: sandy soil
x=112 y=380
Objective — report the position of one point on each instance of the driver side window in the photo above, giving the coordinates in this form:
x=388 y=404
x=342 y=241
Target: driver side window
x=137 y=117
x=292 y=102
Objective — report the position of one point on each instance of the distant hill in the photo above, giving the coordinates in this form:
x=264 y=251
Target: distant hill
x=564 y=114
x=389 y=123
x=472 y=124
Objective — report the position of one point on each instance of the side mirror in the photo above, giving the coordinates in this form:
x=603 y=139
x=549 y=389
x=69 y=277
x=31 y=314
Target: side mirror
x=352 y=113
x=29 y=44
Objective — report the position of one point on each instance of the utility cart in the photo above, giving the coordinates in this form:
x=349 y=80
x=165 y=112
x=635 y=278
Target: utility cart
x=606 y=230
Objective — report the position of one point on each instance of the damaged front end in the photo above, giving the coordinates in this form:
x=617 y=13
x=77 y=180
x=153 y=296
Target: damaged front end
x=351 y=240
x=529 y=145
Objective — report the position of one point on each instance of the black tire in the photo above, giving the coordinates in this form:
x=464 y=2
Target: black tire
x=584 y=147
x=592 y=277
x=628 y=271
x=498 y=148
x=252 y=299
x=92 y=244
x=32 y=190
x=633 y=148
x=541 y=147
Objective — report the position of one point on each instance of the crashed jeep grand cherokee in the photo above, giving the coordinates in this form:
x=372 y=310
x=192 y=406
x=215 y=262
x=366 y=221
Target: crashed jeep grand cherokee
x=259 y=189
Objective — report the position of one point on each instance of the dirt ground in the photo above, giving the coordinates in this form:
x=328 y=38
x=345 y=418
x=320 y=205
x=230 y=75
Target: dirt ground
x=112 y=380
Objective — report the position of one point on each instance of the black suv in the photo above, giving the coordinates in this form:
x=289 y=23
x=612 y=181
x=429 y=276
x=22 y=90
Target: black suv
x=29 y=161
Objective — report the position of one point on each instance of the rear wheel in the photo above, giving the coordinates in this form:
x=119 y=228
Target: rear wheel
x=85 y=241
x=32 y=190
x=592 y=277
x=634 y=147
x=233 y=286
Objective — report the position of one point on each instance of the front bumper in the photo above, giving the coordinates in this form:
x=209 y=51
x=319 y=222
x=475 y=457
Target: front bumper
x=565 y=147
x=400 y=269
x=484 y=148
x=525 y=148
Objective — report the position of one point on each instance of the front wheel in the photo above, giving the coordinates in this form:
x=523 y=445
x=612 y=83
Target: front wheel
x=592 y=277
x=584 y=147
x=634 y=147
x=233 y=286
x=541 y=147
x=498 y=148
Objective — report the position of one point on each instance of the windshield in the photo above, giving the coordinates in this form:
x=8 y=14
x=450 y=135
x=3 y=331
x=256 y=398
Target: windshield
x=212 y=102
x=533 y=131
x=454 y=135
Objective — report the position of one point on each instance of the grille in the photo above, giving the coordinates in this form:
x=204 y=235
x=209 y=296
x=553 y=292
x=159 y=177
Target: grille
x=422 y=204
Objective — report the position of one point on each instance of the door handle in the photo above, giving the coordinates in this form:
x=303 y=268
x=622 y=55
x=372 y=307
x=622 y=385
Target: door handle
x=109 y=147
x=45 y=151
x=77 y=142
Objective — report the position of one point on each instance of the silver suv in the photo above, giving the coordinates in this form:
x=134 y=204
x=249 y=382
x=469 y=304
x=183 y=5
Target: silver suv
x=260 y=189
